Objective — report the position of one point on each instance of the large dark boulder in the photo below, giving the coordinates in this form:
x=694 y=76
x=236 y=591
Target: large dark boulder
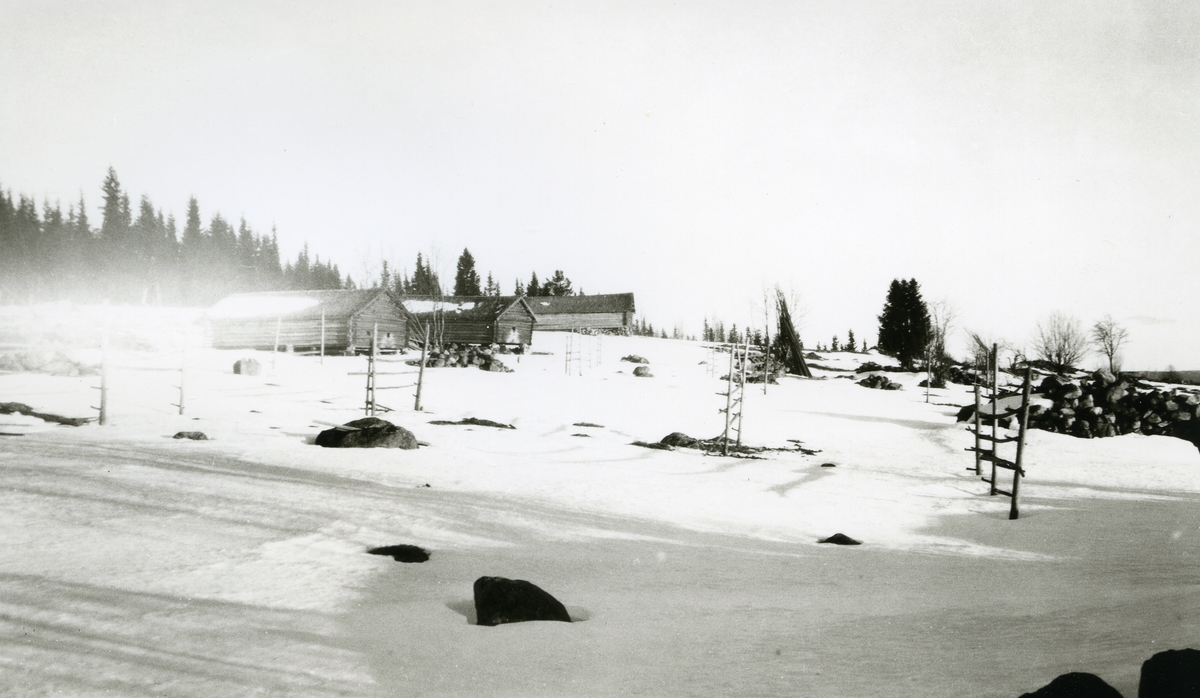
x=499 y=600
x=247 y=367
x=402 y=552
x=680 y=440
x=1075 y=685
x=368 y=432
x=1171 y=674
x=193 y=435
x=643 y=372
x=841 y=539
x=635 y=359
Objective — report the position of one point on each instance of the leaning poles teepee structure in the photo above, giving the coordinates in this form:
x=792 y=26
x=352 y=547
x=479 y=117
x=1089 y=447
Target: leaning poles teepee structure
x=795 y=355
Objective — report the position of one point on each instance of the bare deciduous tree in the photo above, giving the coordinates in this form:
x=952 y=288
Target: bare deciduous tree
x=1060 y=340
x=941 y=320
x=1107 y=337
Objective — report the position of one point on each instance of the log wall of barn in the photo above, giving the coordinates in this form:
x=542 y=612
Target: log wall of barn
x=515 y=318
x=259 y=333
x=571 y=321
x=467 y=331
x=393 y=325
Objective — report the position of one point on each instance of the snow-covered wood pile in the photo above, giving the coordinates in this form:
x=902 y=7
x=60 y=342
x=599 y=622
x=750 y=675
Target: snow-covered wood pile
x=1102 y=405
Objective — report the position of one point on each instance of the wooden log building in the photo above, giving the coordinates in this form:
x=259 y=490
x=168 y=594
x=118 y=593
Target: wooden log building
x=296 y=319
x=473 y=319
x=564 y=313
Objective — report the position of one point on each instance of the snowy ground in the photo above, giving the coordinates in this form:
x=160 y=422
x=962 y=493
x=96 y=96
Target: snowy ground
x=134 y=564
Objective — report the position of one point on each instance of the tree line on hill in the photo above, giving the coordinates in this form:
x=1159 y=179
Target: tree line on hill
x=146 y=256
x=140 y=256
x=425 y=281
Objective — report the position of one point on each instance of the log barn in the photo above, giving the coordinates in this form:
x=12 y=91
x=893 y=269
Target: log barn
x=473 y=319
x=253 y=320
x=613 y=311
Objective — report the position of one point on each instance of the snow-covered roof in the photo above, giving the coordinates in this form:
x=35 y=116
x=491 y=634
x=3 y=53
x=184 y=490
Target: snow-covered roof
x=244 y=306
x=465 y=307
x=293 y=304
x=607 y=303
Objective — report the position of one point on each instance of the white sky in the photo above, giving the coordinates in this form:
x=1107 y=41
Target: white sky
x=1014 y=159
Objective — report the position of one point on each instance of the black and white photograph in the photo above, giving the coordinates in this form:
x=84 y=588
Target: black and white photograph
x=528 y=348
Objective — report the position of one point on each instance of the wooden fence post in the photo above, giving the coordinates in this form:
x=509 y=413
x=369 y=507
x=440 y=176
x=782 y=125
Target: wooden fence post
x=183 y=370
x=275 y=349
x=978 y=445
x=1014 y=511
x=322 y=336
x=104 y=369
x=421 y=370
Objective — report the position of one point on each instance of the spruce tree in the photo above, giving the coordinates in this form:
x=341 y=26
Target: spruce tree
x=466 y=280
x=850 y=343
x=558 y=285
x=534 y=288
x=904 y=325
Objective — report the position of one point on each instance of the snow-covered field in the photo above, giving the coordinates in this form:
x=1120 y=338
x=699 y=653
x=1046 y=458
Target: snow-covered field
x=135 y=564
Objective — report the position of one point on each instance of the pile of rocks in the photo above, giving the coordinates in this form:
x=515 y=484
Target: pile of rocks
x=759 y=368
x=467 y=356
x=879 y=382
x=1103 y=405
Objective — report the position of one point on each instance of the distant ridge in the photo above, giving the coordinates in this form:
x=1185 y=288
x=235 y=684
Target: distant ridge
x=1184 y=377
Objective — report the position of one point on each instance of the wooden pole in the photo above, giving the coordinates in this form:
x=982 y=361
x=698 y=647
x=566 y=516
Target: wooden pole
x=992 y=361
x=183 y=370
x=1014 y=510
x=766 y=359
x=742 y=391
x=374 y=353
x=322 y=336
x=978 y=442
x=275 y=349
x=728 y=403
x=421 y=370
x=928 y=376
x=104 y=369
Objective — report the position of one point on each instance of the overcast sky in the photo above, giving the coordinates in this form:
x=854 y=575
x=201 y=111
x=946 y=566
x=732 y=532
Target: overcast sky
x=1015 y=158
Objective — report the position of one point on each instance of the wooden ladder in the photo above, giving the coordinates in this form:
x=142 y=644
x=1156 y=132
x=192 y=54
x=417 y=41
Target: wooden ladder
x=735 y=393
x=986 y=444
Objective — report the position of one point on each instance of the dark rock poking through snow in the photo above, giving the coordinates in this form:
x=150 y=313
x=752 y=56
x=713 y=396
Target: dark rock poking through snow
x=499 y=600
x=1172 y=673
x=193 y=435
x=1076 y=685
x=368 y=432
x=829 y=465
x=841 y=539
x=472 y=421
x=247 y=367
x=635 y=359
x=678 y=439
x=588 y=424
x=402 y=553
x=643 y=372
